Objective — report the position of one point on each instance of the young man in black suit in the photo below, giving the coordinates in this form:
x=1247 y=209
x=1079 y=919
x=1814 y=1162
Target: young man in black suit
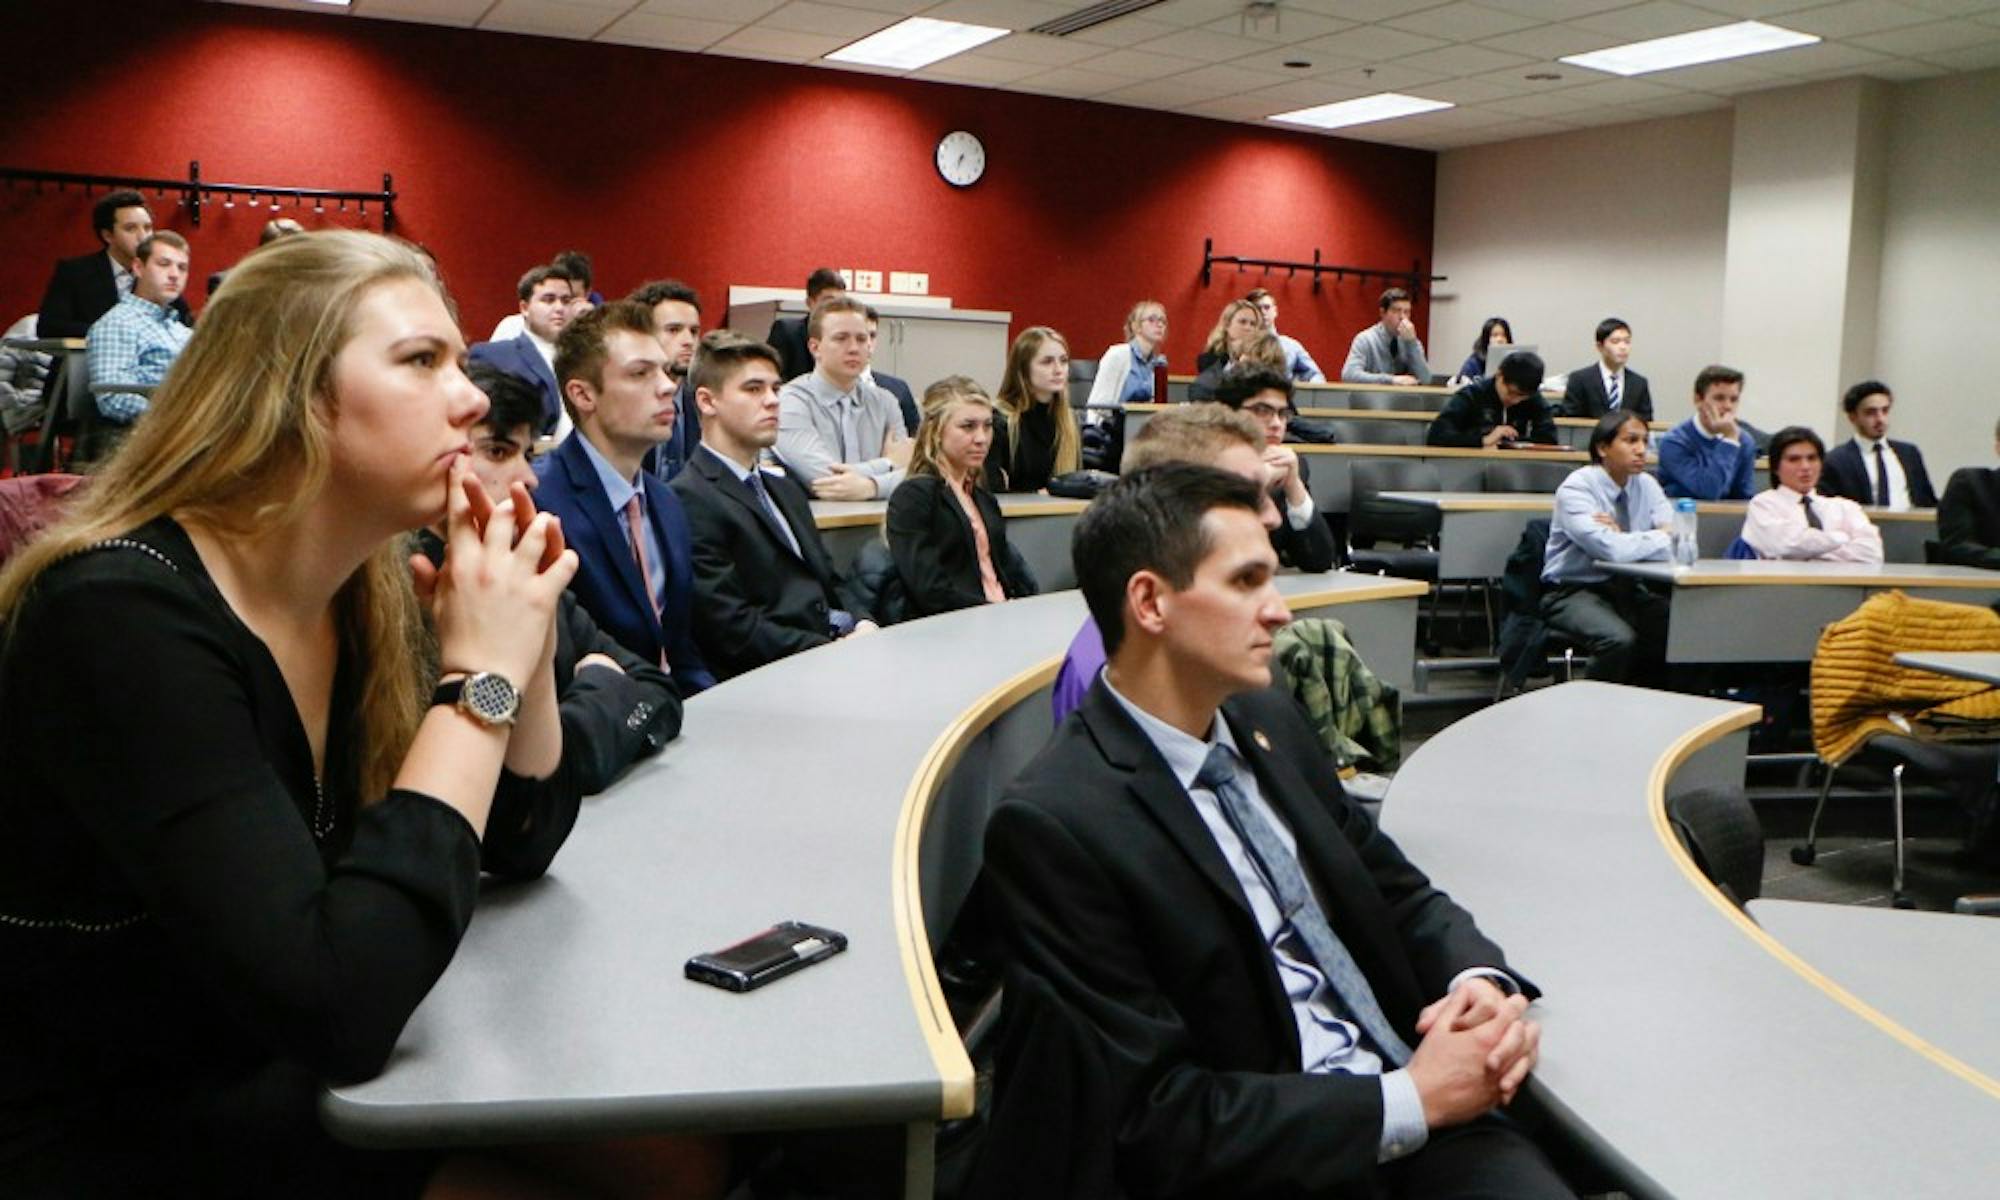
x=788 y=334
x=1606 y=385
x=84 y=288
x=765 y=586
x=1224 y=979
x=1968 y=517
x=1869 y=468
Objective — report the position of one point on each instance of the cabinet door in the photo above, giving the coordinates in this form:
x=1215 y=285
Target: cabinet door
x=924 y=351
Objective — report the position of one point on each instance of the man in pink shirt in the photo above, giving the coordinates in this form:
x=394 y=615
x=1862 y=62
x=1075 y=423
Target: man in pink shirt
x=1793 y=521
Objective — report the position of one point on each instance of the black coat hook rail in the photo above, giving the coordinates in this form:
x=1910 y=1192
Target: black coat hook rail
x=196 y=192
x=1414 y=278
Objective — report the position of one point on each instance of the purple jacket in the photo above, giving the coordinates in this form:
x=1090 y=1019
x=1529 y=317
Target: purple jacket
x=1080 y=668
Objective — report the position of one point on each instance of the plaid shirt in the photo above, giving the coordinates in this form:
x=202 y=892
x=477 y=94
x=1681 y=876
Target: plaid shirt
x=135 y=342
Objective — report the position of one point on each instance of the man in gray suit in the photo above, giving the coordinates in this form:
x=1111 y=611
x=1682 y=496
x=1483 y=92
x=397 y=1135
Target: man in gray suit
x=1388 y=351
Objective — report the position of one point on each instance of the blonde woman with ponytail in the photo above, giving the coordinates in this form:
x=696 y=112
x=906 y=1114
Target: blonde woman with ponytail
x=240 y=835
x=945 y=530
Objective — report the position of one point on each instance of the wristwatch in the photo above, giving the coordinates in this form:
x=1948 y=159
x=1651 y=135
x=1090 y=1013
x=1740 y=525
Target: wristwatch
x=486 y=697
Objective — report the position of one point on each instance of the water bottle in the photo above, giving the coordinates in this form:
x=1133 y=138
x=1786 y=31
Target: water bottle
x=1686 y=545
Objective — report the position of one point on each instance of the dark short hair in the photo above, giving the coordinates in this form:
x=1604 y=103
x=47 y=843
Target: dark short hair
x=655 y=292
x=1792 y=435
x=575 y=266
x=580 y=348
x=826 y=279
x=511 y=401
x=1713 y=374
x=1256 y=294
x=1485 y=338
x=1609 y=326
x=1608 y=427
x=842 y=304
x=1523 y=369
x=1392 y=296
x=537 y=276
x=1861 y=391
x=1149 y=521
x=104 y=213
x=721 y=356
x=1238 y=384
x=165 y=237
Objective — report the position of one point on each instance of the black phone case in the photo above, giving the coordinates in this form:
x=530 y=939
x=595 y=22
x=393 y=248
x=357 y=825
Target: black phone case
x=728 y=968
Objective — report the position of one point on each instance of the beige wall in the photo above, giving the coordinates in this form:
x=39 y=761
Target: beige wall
x=1939 y=317
x=1555 y=233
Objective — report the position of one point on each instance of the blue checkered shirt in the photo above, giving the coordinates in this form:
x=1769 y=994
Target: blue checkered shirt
x=135 y=342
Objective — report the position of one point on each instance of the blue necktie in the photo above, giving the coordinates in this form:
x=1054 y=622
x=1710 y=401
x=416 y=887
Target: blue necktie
x=1281 y=870
x=1614 y=390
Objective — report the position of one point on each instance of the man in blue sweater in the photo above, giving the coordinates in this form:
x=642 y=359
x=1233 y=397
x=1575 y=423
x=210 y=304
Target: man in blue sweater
x=1711 y=456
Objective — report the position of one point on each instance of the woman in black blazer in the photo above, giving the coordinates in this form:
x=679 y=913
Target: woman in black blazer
x=945 y=530
x=1035 y=434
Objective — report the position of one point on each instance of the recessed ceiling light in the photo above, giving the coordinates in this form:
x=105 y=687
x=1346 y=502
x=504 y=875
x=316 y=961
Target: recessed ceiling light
x=332 y=3
x=1541 y=76
x=916 y=42
x=1688 y=49
x=1297 y=64
x=1380 y=107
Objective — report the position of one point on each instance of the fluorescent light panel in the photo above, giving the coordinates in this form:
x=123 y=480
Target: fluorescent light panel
x=1688 y=49
x=916 y=42
x=332 y=3
x=1382 y=106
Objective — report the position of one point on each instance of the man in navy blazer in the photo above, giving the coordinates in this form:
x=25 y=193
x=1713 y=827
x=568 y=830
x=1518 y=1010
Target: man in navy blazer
x=545 y=311
x=676 y=310
x=630 y=531
x=1869 y=468
x=85 y=287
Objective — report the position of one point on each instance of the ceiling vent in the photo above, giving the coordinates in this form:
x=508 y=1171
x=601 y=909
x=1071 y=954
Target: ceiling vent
x=1096 y=14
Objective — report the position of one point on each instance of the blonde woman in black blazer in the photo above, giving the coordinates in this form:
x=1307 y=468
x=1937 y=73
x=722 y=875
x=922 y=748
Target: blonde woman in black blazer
x=945 y=530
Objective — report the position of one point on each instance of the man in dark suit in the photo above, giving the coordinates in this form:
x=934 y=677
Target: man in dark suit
x=1606 y=384
x=1224 y=979
x=788 y=334
x=629 y=530
x=1869 y=468
x=676 y=310
x=1968 y=517
x=545 y=312
x=84 y=288
x=766 y=586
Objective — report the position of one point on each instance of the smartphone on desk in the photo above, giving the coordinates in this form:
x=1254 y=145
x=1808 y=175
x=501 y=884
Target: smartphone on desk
x=773 y=954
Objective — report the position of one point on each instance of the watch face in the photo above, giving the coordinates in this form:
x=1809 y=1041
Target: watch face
x=491 y=698
x=961 y=159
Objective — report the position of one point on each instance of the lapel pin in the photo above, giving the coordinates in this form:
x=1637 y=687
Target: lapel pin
x=1263 y=743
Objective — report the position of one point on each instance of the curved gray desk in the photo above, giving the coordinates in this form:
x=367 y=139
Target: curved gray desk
x=1688 y=1047
x=799 y=791
x=1736 y=610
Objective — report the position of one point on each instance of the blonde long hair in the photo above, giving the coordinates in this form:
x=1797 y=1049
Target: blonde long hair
x=926 y=455
x=1218 y=338
x=1017 y=394
x=235 y=441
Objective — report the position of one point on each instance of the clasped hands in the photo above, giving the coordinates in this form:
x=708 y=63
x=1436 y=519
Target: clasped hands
x=1477 y=1049
x=843 y=482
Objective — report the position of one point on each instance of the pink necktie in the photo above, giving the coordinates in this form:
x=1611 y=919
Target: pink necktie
x=635 y=531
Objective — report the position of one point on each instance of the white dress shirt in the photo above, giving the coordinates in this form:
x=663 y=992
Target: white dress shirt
x=1776 y=527
x=1899 y=483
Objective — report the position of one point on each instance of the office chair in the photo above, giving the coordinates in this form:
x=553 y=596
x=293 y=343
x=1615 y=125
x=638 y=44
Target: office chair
x=1720 y=831
x=1966 y=769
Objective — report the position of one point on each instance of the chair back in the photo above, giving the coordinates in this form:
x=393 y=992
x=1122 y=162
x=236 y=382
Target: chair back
x=1369 y=516
x=1740 y=549
x=1525 y=475
x=1934 y=551
x=1721 y=833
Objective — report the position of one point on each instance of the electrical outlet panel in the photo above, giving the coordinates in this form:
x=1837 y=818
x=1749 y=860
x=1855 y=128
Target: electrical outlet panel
x=867 y=281
x=909 y=283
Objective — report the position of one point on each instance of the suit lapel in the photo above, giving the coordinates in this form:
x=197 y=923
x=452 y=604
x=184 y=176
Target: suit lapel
x=738 y=493
x=790 y=497
x=608 y=526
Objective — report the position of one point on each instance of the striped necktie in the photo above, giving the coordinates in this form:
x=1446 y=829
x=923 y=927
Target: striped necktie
x=1615 y=392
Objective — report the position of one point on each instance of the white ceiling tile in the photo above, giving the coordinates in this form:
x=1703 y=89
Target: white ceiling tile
x=1471 y=91
x=1958 y=8
x=1229 y=79
x=1291 y=26
x=663 y=32
x=1158 y=93
x=1189 y=13
x=1723 y=78
x=1555 y=10
x=1619 y=91
x=1007 y=14
x=975 y=67
x=1461 y=22
x=1609 y=114
x=1659 y=18
x=462 y=13
x=1068 y=81
x=1274 y=59
x=1566 y=76
x=1303 y=93
x=1552 y=104
x=1991 y=17
x=1039 y=48
x=1971 y=58
x=1902 y=70
x=1827 y=58
x=1237 y=108
x=804 y=16
x=742 y=12
x=559 y=18
x=1551 y=41
x=1135 y=64
x=1125 y=31
x=1515 y=130
x=1202 y=45
x=1373 y=43
x=1763 y=10
x=1389 y=77
x=777 y=45
x=1854 y=17
x=1461 y=60
x=1359 y=10
x=1919 y=40
x=1680 y=104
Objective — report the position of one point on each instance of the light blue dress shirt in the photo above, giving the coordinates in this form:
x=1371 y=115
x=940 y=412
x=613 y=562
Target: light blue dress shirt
x=620 y=491
x=1578 y=541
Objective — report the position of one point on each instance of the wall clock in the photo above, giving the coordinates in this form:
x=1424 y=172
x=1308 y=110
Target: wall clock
x=961 y=159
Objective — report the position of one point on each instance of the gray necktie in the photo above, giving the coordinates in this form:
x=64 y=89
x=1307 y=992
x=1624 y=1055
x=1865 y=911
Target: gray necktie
x=850 y=429
x=1622 y=512
x=1281 y=870
x=1812 y=518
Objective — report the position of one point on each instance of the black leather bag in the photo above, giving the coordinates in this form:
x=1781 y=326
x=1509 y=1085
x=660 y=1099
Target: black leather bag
x=1081 y=485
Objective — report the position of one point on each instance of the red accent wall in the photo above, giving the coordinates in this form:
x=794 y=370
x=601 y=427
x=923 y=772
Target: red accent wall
x=722 y=171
